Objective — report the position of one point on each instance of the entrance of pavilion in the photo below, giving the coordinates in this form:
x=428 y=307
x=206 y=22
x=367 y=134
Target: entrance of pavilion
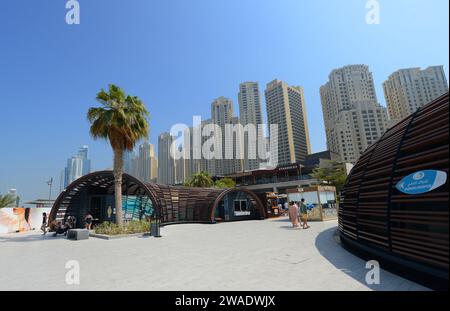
x=98 y=209
x=236 y=206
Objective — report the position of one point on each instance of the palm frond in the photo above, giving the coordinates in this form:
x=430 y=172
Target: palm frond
x=7 y=200
x=122 y=119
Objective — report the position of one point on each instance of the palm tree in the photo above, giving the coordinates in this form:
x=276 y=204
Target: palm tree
x=122 y=120
x=201 y=179
x=7 y=200
x=224 y=183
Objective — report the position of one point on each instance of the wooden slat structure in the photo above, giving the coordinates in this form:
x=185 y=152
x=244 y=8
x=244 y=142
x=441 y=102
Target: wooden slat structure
x=172 y=204
x=411 y=230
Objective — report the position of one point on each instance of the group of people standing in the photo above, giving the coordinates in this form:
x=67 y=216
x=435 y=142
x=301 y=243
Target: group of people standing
x=298 y=214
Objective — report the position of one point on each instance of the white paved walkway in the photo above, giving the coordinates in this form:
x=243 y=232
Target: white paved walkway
x=252 y=255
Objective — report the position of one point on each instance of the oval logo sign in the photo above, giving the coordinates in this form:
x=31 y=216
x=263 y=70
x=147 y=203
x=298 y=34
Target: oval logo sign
x=422 y=182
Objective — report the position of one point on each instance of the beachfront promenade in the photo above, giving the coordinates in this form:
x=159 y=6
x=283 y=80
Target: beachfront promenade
x=249 y=255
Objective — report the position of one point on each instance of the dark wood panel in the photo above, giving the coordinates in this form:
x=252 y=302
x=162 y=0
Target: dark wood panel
x=375 y=213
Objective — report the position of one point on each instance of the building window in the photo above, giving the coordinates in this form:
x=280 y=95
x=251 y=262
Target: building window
x=241 y=208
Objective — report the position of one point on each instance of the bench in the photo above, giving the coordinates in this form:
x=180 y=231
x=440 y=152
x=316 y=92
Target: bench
x=78 y=234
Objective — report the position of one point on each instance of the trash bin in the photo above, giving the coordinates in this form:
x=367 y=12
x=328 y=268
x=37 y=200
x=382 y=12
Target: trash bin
x=154 y=230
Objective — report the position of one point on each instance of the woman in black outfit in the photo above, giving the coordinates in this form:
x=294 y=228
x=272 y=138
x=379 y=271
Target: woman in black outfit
x=44 y=223
x=88 y=220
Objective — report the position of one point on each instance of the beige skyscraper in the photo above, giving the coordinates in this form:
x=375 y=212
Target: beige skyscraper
x=406 y=90
x=353 y=118
x=147 y=163
x=222 y=115
x=286 y=107
x=250 y=114
x=222 y=110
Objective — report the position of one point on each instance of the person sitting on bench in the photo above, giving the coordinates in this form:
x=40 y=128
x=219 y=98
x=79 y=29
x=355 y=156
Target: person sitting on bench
x=63 y=229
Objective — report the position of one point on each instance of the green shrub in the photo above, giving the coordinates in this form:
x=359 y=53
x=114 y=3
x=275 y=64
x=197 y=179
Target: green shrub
x=135 y=226
x=130 y=227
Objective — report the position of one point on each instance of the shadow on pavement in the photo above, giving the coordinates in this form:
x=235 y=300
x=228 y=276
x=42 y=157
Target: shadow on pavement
x=287 y=223
x=33 y=237
x=327 y=243
x=339 y=257
x=280 y=219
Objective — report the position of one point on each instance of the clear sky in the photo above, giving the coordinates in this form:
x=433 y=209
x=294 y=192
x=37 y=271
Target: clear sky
x=178 y=55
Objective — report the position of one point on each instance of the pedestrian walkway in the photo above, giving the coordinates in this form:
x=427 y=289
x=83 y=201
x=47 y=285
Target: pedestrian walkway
x=247 y=255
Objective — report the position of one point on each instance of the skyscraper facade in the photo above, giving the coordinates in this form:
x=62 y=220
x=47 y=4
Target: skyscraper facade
x=353 y=117
x=181 y=167
x=83 y=153
x=222 y=110
x=147 y=163
x=204 y=164
x=128 y=158
x=77 y=166
x=233 y=148
x=143 y=165
x=192 y=161
x=231 y=159
x=74 y=170
x=250 y=114
x=286 y=108
x=166 y=161
x=406 y=90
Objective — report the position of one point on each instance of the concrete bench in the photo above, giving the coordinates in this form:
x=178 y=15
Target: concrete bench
x=78 y=234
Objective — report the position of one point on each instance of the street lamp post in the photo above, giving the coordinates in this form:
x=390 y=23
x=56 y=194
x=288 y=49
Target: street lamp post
x=50 y=183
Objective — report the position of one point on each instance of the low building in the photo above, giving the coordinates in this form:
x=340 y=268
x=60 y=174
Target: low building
x=274 y=180
x=290 y=176
x=320 y=201
x=94 y=194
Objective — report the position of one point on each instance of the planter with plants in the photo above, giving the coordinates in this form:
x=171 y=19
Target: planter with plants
x=131 y=228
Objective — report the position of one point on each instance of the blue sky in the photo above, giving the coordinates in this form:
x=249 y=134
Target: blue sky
x=178 y=55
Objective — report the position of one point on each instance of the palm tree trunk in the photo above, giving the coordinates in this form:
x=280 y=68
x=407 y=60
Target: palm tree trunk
x=118 y=172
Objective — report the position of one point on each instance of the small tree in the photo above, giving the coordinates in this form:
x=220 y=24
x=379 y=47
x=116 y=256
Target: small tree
x=333 y=174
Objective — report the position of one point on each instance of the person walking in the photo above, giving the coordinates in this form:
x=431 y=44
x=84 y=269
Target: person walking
x=293 y=212
x=299 y=214
x=44 y=223
x=304 y=214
